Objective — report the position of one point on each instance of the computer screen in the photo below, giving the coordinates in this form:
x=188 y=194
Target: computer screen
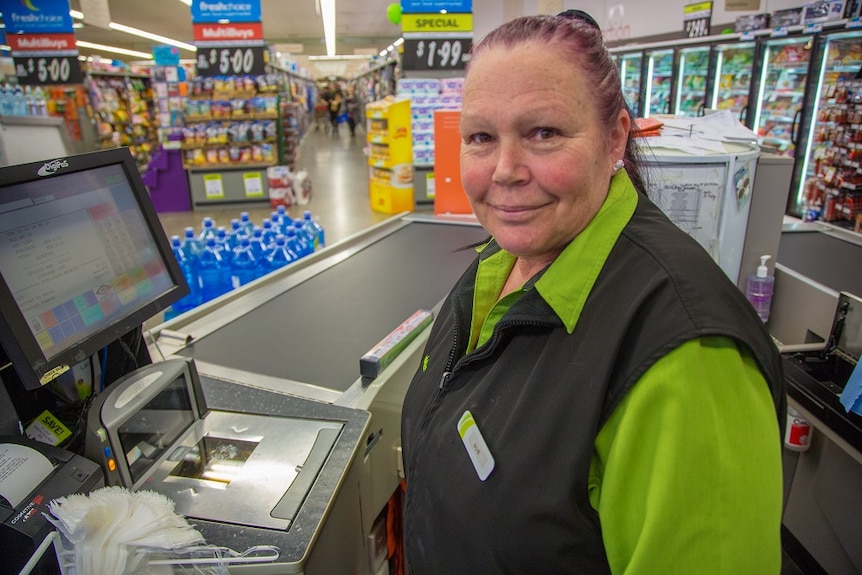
x=83 y=260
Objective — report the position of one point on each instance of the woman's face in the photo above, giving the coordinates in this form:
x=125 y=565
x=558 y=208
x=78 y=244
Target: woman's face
x=535 y=162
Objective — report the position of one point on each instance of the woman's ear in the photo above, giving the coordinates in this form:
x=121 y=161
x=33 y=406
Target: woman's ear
x=619 y=135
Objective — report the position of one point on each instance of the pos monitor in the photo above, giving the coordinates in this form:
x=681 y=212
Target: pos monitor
x=83 y=260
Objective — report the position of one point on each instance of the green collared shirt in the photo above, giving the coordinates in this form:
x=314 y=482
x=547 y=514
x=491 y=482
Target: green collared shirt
x=668 y=465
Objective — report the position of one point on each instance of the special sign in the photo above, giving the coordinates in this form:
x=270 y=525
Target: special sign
x=434 y=23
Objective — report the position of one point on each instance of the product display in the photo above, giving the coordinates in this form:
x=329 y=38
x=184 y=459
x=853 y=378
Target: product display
x=781 y=94
x=123 y=111
x=390 y=158
x=691 y=86
x=630 y=74
x=734 y=63
x=426 y=96
x=660 y=82
x=832 y=190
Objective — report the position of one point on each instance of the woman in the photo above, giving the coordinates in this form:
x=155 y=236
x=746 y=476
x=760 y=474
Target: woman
x=595 y=395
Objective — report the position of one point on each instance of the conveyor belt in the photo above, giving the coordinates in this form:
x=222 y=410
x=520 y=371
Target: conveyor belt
x=316 y=332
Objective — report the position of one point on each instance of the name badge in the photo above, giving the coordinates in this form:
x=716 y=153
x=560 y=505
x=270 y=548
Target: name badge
x=477 y=449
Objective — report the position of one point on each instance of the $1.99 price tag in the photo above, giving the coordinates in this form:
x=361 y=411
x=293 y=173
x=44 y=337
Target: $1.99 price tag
x=436 y=53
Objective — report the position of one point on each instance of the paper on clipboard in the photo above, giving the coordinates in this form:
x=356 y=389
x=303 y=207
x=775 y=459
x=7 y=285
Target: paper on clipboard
x=22 y=468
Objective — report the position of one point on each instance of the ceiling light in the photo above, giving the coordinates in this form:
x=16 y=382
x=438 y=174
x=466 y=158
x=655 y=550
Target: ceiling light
x=340 y=57
x=186 y=2
x=113 y=49
x=76 y=14
x=398 y=42
x=149 y=36
x=327 y=9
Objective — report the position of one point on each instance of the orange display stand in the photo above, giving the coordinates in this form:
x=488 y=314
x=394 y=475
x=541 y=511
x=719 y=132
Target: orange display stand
x=390 y=158
x=449 y=196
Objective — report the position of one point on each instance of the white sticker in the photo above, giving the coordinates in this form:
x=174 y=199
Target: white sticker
x=477 y=449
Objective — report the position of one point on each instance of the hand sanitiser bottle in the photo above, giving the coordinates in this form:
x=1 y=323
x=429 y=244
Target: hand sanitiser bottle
x=759 y=289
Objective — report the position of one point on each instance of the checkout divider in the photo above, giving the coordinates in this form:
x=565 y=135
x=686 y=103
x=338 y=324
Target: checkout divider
x=289 y=345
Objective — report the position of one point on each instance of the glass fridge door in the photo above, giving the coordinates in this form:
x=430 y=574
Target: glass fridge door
x=733 y=67
x=831 y=186
x=691 y=84
x=659 y=82
x=781 y=92
x=630 y=75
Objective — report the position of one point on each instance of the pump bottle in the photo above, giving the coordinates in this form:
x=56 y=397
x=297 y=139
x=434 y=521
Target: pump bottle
x=759 y=289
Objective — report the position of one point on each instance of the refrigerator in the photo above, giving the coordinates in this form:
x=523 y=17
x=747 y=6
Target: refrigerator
x=657 y=92
x=780 y=92
x=730 y=84
x=630 y=66
x=827 y=182
x=691 y=80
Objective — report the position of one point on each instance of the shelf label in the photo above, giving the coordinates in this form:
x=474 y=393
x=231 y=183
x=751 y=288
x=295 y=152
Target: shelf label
x=441 y=53
x=854 y=22
x=36 y=71
x=253 y=184
x=213 y=186
x=696 y=19
x=231 y=61
x=780 y=32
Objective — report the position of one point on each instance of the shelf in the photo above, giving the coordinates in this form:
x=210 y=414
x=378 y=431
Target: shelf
x=243 y=118
x=228 y=166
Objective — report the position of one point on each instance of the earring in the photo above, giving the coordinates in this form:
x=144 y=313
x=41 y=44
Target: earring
x=619 y=165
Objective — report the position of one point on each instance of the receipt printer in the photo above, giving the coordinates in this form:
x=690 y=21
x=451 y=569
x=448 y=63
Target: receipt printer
x=32 y=474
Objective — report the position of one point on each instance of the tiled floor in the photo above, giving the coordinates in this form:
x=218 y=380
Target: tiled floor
x=338 y=169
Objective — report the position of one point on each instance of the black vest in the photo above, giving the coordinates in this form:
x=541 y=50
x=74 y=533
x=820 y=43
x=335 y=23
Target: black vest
x=540 y=396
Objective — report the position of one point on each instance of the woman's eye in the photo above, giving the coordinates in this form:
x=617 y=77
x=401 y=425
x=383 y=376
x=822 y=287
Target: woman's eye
x=545 y=133
x=479 y=138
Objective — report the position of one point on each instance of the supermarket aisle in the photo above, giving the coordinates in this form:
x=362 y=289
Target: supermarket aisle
x=338 y=169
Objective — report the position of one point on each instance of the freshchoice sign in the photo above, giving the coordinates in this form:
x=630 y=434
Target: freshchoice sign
x=215 y=10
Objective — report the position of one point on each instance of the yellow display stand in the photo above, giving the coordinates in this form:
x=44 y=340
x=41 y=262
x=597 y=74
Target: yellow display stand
x=390 y=157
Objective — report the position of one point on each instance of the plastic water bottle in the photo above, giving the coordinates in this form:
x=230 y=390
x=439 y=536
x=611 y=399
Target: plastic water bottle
x=293 y=243
x=269 y=232
x=214 y=272
x=283 y=216
x=258 y=244
x=19 y=103
x=245 y=221
x=222 y=243
x=41 y=102
x=207 y=230
x=6 y=95
x=304 y=236
x=281 y=254
x=189 y=268
x=191 y=243
x=277 y=223
x=315 y=228
x=244 y=264
x=235 y=234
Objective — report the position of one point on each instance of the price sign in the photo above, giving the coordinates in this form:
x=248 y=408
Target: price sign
x=696 y=19
x=443 y=53
x=41 y=70
x=231 y=61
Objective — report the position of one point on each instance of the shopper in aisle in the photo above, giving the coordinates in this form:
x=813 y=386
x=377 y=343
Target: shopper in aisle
x=335 y=99
x=595 y=396
x=351 y=106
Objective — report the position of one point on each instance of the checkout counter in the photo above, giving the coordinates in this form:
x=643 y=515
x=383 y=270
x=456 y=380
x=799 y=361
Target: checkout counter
x=818 y=327
x=290 y=345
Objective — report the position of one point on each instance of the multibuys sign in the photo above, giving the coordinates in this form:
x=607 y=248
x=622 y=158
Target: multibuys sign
x=243 y=32
x=55 y=43
x=215 y=10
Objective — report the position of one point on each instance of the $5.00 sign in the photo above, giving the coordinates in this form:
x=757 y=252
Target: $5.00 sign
x=231 y=61
x=41 y=70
